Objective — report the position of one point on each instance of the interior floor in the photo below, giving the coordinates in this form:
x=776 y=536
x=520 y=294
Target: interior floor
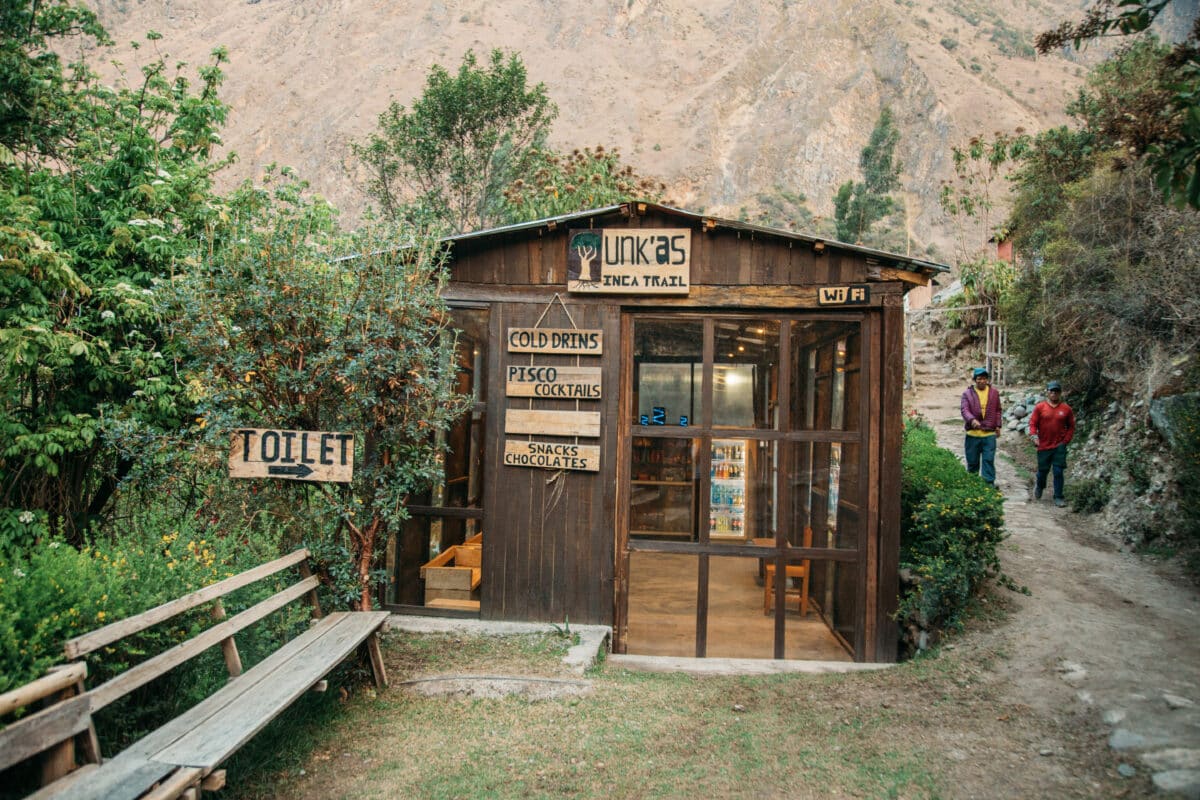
x=662 y=612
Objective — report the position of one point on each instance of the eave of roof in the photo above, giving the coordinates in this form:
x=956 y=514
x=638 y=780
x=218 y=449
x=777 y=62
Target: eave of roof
x=708 y=223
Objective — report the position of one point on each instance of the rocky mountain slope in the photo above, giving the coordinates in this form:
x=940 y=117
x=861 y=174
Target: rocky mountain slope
x=731 y=102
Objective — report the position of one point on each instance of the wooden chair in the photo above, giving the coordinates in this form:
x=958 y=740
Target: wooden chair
x=793 y=571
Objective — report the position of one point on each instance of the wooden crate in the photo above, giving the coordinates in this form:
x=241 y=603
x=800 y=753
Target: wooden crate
x=454 y=574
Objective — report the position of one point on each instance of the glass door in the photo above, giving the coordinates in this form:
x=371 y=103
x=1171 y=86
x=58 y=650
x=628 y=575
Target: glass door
x=743 y=436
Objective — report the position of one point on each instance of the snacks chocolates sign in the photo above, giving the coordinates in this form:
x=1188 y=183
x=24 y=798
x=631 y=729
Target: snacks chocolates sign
x=629 y=261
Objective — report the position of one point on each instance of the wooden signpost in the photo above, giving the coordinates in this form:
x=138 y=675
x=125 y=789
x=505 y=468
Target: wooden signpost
x=561 y=341
x=552 y=423
x=856 y=294
x=629 y=261
x=553 y=382
x=560 y=383
x=552 y=455
x=292 y=455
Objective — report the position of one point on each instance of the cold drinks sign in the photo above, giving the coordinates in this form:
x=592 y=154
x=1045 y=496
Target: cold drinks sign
x=629 y=261
x=292 y=455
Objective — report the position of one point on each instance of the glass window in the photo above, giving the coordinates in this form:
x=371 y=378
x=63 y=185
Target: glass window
x=668 y=356
x=826 y=375
x=662 y=502
x=824 y=494
x=745 y=373
x=662 y=604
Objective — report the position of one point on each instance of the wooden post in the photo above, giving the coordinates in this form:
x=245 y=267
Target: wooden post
x=59 y=759
x=313 y=600
x=377 y=666
x=233 y=661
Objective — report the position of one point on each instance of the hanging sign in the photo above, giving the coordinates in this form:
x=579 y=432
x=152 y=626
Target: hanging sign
x=292 y=455
x=854 y=295
x=629 y=261
x=552 y=423
x=552 y=455
x=564 y=341
x=562 y=383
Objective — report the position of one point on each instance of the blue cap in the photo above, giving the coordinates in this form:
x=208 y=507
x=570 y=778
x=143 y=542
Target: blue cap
x=980 y=371
x=1052 y=385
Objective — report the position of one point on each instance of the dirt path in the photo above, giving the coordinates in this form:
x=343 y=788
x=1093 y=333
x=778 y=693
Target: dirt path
x=1102 y=637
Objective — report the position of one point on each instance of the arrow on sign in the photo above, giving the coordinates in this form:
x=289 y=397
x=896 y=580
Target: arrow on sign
x=300 y=471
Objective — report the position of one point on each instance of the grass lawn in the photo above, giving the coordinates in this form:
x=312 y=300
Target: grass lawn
x=633 y=735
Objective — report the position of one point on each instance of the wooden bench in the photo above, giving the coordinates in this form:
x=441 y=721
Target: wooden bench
x=180 y=759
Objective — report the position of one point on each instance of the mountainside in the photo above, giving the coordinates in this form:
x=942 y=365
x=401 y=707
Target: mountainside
x=732 y=104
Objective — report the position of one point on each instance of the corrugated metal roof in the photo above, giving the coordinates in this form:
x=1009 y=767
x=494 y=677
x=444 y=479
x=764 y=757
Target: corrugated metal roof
x=624 y=209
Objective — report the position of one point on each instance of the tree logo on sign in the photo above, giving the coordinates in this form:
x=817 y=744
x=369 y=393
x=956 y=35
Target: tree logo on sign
x=583 y=256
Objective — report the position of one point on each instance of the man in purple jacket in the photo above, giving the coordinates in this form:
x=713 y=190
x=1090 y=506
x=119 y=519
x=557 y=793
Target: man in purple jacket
x=980 y=408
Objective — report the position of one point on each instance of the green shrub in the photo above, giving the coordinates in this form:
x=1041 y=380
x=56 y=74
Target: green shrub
x=1186 y=421
x=1136 y=463
x=52 y=592
x=1089 y=495
x=951 y=527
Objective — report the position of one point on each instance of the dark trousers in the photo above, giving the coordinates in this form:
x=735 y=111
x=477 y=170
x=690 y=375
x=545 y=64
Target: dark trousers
x=981 y=456
x=1051 y=461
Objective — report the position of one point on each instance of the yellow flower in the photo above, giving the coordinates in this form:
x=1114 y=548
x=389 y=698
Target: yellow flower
x=100 y=616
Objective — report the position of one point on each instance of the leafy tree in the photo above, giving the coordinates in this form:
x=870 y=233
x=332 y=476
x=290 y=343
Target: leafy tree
x=1172 y=140
x=859 y=205
x=296 y=325
x=562 y=184
x=1113 y=298
x=34 y=93
x=969 y=200
x=468 y=137
x=99 y=204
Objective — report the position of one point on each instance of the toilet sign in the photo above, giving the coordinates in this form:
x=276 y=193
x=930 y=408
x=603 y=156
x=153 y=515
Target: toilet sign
x=292 y=455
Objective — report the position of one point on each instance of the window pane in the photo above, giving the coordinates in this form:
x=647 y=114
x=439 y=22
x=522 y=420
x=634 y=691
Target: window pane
x=825 y=494
x=662 y=604
x=745 y=373
x=667 y=363
x=742 y=499
x=834 y=592
x=662 y=493
x=826 y=375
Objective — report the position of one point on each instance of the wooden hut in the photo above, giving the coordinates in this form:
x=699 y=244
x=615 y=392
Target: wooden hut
x=685 y=427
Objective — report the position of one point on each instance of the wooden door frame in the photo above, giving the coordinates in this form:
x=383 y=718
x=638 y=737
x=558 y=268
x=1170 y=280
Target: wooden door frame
x=869 y=439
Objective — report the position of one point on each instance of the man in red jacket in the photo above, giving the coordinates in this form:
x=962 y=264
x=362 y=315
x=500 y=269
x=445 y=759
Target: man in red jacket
x=1052 y=426
x=980 y=408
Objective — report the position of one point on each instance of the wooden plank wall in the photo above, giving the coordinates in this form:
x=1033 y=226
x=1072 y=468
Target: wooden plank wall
x=548 y=537
x=721 y=257
x=548 y=547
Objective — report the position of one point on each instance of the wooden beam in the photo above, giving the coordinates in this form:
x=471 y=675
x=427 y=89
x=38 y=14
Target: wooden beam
x=894 y=274
x=33 y=734
x=152 y=668
x=377 y=665
x=89 y=642
x=56 y=681
x=175 y=785
x=213 y=781
x=233 y=660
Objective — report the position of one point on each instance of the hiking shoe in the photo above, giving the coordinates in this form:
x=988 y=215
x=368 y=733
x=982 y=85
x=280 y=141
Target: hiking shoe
x=1059 y=502
x=1037 y=494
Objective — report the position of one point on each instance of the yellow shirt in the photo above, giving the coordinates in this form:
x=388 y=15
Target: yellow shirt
x=983 y=398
